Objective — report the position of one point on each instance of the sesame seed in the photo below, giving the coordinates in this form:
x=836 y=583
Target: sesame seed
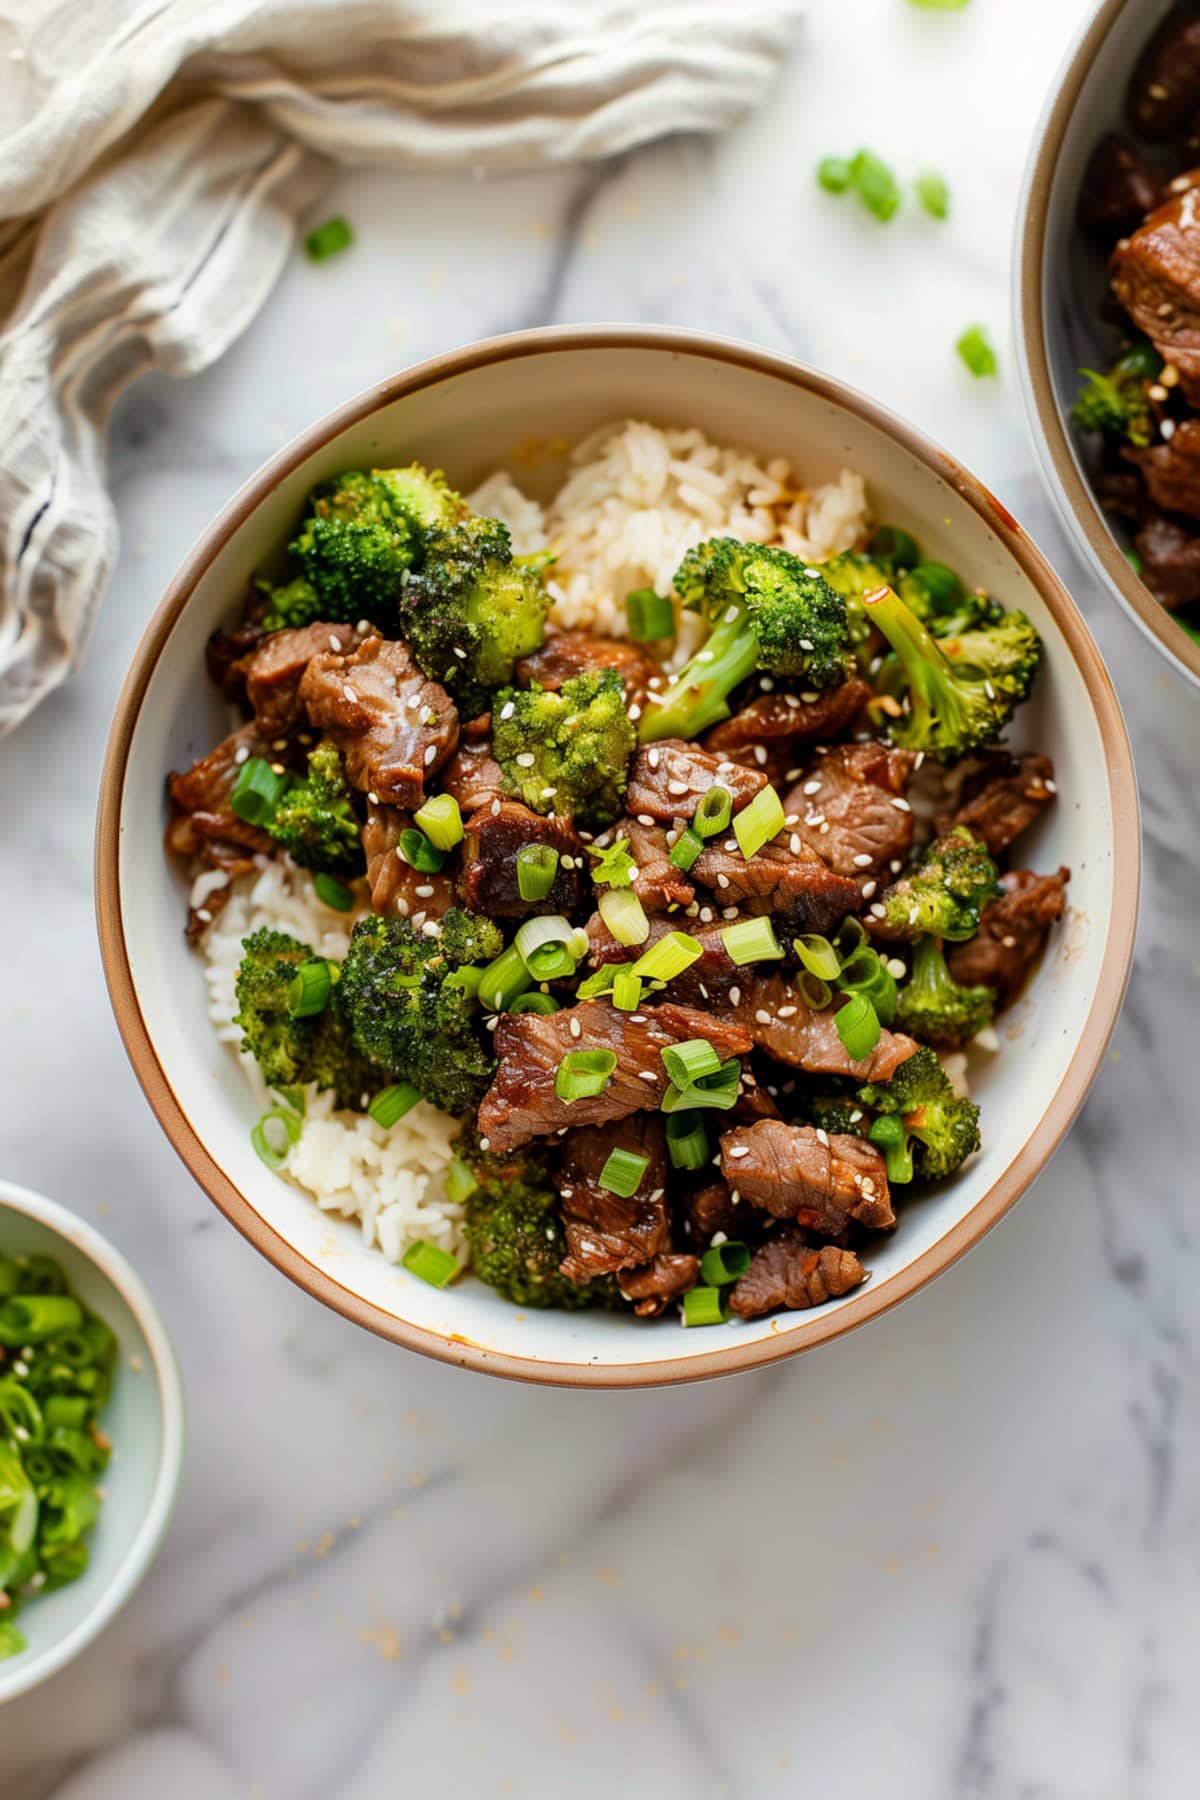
x=822 y=1137
x=1009 y=943
x=814 y=786
x=722 y=881
x=868 y=888
x=739 y=1150
x=644 y=819
x=990 y=691
x=787 y=1012
x=575 y=1028
x=919 y=761
x=862 y=860
x=706 y=915
x=485 y=1143
x=204 y=916
x=895 y=865
x=703 y=990
x=729 y=912
x=637 y=1018
x=335 y=642
x=811 y=697
x=895 y=967
x=1051 y=786
x=677 y=787
x=868 y=1187
x=734 y=1196
x=654 y=759
x=794 y=843
x=418 y=918
x=279 y=744
x=508 y=709
x=495 y=808
x=806 y=643
x=431 y=928
x=277 y=768
x=549 y=793
x=567 y=860
x=878 y=911
x=525 y=760
x=760 y=755
x=241 y=754
x=461 y=654
x=635 y=713
x=735 y=996
x=762 y=1016
x=372 y=797
x=349 y=693
x=402 y=904
x=648 y=1075
x=430 y=754
x=901 y=805
x=672 y=838
x=425 y=891
x=730 y=844
x=766 y=684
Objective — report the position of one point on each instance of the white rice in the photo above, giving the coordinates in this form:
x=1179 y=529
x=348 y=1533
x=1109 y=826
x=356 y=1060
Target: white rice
x=634 y=500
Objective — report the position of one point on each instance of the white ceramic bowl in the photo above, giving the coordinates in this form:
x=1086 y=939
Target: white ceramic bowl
x=144 y=1419
x=470 y=411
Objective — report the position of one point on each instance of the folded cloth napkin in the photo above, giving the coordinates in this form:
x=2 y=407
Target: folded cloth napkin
x=155 y=156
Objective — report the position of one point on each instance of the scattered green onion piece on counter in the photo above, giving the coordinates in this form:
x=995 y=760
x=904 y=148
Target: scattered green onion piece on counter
x=875 y=185
x=583 y=1073
x=311 y=987
x=687 y=1140
x=713 y=813
x=723 y=1263
x=275 y=1154
x=651 y=616
x=751 y=941
x=932 y=192
x=759 y=822
x=257 y=792
x=719 y=1090
x=622 y=1172
x=391 y=1103
x=626 y=990
x=624 y=915
x=537 y=866
x=419 y=853
x=441 y=821
x=687 y=849
x=32 y=1318
x=603 y=981
x=535 y=1002
x=460 y=1182
x=690 y=1061
x=614 y=865
x=976 y=351
x=503 y=980
x=332 y=892
x=817 y=955
x=669 y=957
x=329 y=239
x=858 y=1026
x=890 y=1136
x=705 y=1306
x=833 y=174
x=892 y=544
x=429 y=1264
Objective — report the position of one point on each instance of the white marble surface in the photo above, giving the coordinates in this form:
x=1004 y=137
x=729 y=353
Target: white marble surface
x=955 y=1555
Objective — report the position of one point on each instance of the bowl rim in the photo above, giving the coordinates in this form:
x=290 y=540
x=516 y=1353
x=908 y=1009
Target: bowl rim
x=143 y=1547
x=1077 y=503
x=821 y=1325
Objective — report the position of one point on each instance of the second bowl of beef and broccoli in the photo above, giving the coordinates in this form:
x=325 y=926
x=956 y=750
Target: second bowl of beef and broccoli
x=637 y=884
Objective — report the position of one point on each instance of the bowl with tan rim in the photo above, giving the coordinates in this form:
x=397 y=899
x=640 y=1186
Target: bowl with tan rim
x=1059 y=284
x=469 y=412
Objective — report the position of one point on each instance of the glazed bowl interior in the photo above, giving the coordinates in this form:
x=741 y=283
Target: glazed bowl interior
x=471 y=412
x=1061 y=281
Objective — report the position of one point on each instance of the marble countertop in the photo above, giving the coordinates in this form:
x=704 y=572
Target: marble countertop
x=953 y=1555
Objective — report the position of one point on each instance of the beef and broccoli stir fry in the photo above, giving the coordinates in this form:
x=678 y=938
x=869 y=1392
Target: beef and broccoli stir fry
x=682 y=943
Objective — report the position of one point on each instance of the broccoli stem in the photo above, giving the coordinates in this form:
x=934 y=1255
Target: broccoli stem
x=929 y=673
x=697 y=697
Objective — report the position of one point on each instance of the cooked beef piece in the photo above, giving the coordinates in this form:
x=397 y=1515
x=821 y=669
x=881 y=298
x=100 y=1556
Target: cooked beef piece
x=1170 y=556
x=668 y=780
x=487 y=876
x=473 y=776
x=850 y=807
x=1156 y=277
x=1120 y=186
x=604 y=1231
x=999 y=798
x=1171 y=470
x=1120 y=489
x=1166 y=82
x=705 y=983
x=652 y=1288
x=1012 y=933
x=226 y=655
x=786 y=878
x=569 y=653
x=201 y=796
x=394 y=728
x=658 y=884
x=396 y=887
x=753 y=1101
x=711 y=1208
x=521 y=1102
x=231 y=860
x=273 y=670
x=785 y=1271
x=765 y=733
x=800 y=1172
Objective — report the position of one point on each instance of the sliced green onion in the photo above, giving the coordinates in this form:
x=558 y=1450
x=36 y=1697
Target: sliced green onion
x=311 y=987
x=257 y=791
x=858 y=1026
x=833 y=174
x=537 y=866
x=295 y=1097
x=419 y=853
x=622 y=1172
x=391 y=1103
x=759 y=822
x=441 y=821
x=687 y=1140
x=275 y=1154
x=723 y=1263
x=329 y=239
x=430 y=1264
x=719 y=1090
x=705 y=1306
x=976 y=351
x=669 y=957
x=892 y=544
x=875 y=185
x=460 y=1181
x=933 y=193
x=535 y=1002
x=713 y=813
x=332 y=892
x=551 y=928
x=503 y=980
x=891 y=1137
x=550 y=962
x=687 y=848
x=751 y=941
x=815 y=993
x=940 y=5
x=614 y=865
x=602 y=982
x=31 y=1318
x=624 y=915
x=467 y=978
x=583 y=1073
x=865 y=972
x=817 y=955
x=690 y=1061
x=651 y=616
x=626 y=990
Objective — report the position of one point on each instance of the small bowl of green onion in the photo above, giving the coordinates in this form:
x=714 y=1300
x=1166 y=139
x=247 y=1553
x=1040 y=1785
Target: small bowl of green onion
x=91 y=1435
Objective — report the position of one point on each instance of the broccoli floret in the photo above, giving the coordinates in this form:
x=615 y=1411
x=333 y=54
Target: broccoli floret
x=931 y=590
x=315 y=821
x=836 y=1113
x=1117 y=403
x=296 y=603
x=768 y=610
x=936 y=1008
x=946 y=891
x=410 y=1013
x=953 y=703
x=468 y=939
x=513 y=1226
x=293 y=1052
x=423 y=496
x=943 y=1129
x=566 y=751
x=355 y=544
